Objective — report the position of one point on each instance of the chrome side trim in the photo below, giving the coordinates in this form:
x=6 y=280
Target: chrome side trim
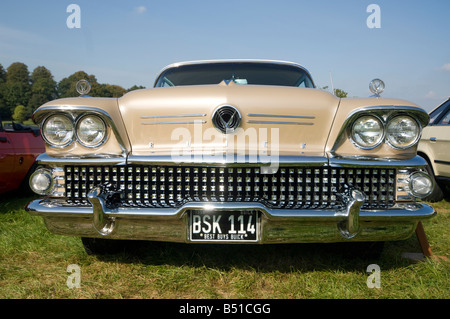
x=169 y=116
x=415 y=162
x=228 y=160
x=283 y=116
x=175 y=122
x=276 y=122
x=234 y=160
x=98 y=159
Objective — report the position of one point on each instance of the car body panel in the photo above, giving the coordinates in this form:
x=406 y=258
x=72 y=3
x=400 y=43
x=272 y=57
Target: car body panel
x=435 y=143
x=18 y=152
x=158 y=116
x=289 y=161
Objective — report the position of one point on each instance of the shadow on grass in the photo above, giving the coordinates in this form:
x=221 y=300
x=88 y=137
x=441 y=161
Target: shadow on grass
x=268 y=258
x=15 y=200
x=265 y=258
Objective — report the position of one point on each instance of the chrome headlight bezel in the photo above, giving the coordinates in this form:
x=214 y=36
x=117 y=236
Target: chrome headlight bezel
x=104 y=130
x=425 y=179
x=358 y=141
x=70 y=131
x=41 y=181
x=412 y=142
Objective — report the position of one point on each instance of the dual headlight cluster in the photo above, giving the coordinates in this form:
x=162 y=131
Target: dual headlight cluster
x=89 y=130
x=400 y=132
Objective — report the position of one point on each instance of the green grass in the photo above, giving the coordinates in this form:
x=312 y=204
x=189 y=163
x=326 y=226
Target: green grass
x=33 y=264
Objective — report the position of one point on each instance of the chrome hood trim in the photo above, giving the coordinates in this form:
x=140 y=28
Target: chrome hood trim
x=234 y=160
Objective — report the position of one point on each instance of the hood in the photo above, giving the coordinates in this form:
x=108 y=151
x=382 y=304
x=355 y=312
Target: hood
x=284 y=120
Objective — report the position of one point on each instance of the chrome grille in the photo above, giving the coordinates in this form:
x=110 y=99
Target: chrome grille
x=288 y=188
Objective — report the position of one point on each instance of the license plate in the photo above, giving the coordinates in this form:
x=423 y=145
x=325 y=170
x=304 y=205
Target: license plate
x=224 y=226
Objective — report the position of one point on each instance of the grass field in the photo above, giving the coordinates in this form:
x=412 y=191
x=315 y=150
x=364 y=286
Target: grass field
x=33 y=264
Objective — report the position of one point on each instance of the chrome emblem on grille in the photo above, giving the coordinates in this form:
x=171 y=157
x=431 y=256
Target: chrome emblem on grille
x=226 y=119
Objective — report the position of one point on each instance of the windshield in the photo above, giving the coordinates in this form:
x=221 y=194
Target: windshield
x=240 y=72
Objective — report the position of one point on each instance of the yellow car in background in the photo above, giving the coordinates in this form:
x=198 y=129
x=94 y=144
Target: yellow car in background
x=434 y=146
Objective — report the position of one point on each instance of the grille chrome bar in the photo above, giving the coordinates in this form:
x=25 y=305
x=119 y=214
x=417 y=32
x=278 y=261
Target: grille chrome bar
x=289 y=188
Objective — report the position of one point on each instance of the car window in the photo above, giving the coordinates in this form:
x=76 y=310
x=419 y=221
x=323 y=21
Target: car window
x=240 y=72
x=446 y=119
x=437 y=112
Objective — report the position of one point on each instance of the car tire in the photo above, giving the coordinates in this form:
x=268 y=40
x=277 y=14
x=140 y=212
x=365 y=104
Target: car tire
x=437 y=195
x=100 y=246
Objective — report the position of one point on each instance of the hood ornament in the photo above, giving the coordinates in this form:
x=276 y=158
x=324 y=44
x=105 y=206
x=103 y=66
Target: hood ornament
x=83 y=87
x=376 y=86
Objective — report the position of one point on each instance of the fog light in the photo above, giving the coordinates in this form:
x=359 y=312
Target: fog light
x=420 y=184
x=41 y=181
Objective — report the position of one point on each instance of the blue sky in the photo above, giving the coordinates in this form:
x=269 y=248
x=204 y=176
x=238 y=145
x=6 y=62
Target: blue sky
x=129 y=42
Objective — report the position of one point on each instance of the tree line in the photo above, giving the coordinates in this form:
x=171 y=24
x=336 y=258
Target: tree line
x=22 y=92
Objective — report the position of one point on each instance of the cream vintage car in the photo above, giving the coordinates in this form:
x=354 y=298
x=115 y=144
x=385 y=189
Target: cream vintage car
x=231 y=151
x=434 y=146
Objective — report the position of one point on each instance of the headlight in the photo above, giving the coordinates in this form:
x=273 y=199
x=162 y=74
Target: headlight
x=421 y=184
x=41 y=181
x=58 y=131
x=402 y=132
x=91 y=131
x=367 y=132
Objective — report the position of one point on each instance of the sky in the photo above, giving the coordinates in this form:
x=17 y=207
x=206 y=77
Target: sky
x=128 y=42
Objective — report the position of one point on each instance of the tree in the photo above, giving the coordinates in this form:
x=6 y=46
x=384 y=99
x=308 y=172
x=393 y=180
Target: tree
x=67 y=86
x=2 y=74
x=17 y=87
x=135 y=87
x=340 y=93
x=3 y=110
x=20 y=113
x=115 y=90
x=43 y=88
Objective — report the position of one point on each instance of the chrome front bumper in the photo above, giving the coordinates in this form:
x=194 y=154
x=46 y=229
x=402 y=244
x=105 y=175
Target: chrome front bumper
x=276 y=226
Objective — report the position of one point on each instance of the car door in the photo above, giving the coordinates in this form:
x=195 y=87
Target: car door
x=7 y=161
x=440 y=141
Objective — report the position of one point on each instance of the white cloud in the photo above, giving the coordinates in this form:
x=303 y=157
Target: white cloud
x=140 y=10
x=430 y=95
x=446 y=67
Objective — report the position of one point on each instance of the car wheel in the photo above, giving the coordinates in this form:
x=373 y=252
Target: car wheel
x=437 y=195
x=100 y=246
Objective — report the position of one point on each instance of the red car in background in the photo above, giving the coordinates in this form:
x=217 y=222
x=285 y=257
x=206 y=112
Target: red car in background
x=19 y=147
